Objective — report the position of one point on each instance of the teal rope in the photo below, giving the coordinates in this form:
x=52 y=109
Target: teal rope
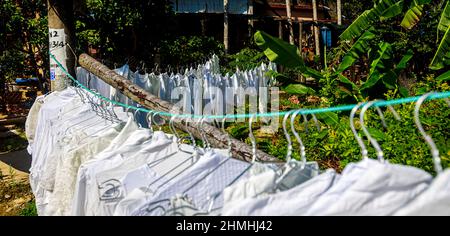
x=269 y=114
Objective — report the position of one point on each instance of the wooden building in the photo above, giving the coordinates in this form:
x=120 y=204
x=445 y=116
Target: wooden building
x=206 y=17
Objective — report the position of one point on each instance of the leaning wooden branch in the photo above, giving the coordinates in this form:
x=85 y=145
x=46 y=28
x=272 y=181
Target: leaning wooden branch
x=215 y=136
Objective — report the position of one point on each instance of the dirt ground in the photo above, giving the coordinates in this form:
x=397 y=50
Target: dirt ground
x=15 y=191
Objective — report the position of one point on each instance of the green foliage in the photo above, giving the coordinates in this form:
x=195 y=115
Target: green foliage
x=245 y=59
x=24 y=46
x=299 y=89
x=444 y=77
x=382 y=62
x=184 y=50
x=283 y=53
x=444 y=21
x=354 y=53
x=29 y=210
x=412 y=16
x=335 y=145
x=442 y=56
x=123 y=29
x=279 y=51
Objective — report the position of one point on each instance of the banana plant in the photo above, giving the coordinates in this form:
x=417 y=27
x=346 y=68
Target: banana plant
x=381 y=68
x=383 y=10
x=413 y=11
x=442 y=57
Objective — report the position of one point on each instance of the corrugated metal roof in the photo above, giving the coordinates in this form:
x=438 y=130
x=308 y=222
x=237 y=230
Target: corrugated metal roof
x=209 y=6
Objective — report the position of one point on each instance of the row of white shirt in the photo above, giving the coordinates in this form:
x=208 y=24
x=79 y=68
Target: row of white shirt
x=203 y=84
x=84 y=165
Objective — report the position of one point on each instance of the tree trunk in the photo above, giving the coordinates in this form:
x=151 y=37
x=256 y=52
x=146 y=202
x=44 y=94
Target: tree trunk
x=289 y=20
x=214 y=135
x=316 y=28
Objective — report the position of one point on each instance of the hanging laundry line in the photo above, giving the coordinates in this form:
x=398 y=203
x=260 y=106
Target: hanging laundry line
x=304 y=111
x=215 y=136
x=88 y=161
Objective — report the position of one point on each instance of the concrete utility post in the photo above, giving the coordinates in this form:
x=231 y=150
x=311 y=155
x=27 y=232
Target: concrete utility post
x=60 y=30
x=225 y=25
x=289 y=18
x=316 y=28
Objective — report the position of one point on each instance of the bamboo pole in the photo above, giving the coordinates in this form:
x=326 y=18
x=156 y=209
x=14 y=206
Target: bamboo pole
x=215 y=136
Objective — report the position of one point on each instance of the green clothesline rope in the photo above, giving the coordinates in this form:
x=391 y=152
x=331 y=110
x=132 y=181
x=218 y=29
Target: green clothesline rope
x=269 y=114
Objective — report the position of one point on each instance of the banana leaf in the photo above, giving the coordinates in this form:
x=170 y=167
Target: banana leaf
x=392 y=11
x=412 y=16
x=444 y=77
x=403 y=63
x=279 y=51
x=354 y=53
x=379 y=65
x=444 y=22
x=368 y=17
x=299 y=89
x=442 y=56
x=283 y=53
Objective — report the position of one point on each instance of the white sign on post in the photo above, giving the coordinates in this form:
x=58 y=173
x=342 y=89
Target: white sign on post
x=58 y=49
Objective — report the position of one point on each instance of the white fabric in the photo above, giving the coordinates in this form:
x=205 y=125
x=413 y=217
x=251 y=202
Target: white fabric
x=209 y=176
x=294 y=201
x=137 y=197
x=372 y=188
x=435 y=201
x=67 y=167
x=111 y=170
x=126 y=143
x=31 y=122
x=261 y=180
x=44 y=141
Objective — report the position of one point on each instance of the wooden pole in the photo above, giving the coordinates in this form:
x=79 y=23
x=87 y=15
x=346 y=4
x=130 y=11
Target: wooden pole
x=300 y=45
x=225 y=26
x=280 y=29
x=300 y=35
x=316 y=28
x=215 y=136
x=339 y=13
x=289 y=19
x=251 y=22
x=61 y=29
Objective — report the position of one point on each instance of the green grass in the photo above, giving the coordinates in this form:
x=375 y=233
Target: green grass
x=29 y=210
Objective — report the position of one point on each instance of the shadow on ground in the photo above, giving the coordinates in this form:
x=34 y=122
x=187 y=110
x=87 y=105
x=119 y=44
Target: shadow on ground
x=19 y=160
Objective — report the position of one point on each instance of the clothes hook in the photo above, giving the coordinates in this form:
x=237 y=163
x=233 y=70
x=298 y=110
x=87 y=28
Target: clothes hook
x=379 y=151
x=297 y=136
x=288 y=138
x=204 y=133
x=190 y=134
x=352 y=126
x=160 y=124
x=427 y=137
x=172 y=128
x=199 y=123
x=228 y=136
x=252 y=138
x=150 y=120
x=135 y=117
